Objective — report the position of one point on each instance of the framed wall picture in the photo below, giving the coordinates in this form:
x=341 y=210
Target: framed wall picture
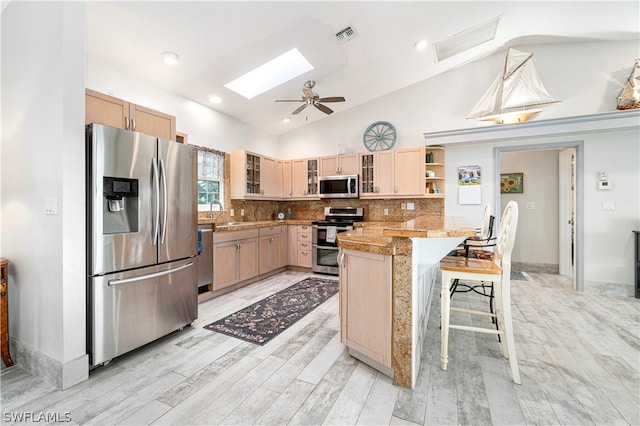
x=511 y=183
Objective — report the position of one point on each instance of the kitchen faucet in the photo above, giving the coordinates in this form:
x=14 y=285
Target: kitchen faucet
x=211 y=207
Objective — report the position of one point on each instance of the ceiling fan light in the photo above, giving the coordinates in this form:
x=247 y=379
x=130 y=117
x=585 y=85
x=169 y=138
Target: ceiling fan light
x=170 y=58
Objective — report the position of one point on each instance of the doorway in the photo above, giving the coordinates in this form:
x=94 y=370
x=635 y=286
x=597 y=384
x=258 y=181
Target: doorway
x=550 y=205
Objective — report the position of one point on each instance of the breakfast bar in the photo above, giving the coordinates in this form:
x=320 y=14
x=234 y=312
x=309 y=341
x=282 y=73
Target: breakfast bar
x=387 y=276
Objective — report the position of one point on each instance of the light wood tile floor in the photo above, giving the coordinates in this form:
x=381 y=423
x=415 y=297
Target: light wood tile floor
x=579 y=357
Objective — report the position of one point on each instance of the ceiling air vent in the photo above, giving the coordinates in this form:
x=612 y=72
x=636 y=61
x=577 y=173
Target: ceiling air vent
x=345 y=35
x=466 y=39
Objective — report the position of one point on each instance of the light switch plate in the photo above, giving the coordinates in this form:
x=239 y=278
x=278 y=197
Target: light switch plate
x=51 y=205
x=608 y=206
x=410 y=206
x=531 y=205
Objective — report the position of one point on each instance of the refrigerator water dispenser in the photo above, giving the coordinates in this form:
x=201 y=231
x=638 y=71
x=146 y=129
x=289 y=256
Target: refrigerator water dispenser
x=120 y=211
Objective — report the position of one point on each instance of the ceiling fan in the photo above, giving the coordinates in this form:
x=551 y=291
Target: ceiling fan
x=310 y=98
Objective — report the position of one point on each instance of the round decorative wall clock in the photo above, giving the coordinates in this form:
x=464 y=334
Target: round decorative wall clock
x=380 y=136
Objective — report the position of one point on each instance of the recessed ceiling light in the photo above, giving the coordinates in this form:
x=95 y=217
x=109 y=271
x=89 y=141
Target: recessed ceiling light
x=275 y=72
x=215 y=99
x=286 y=120
x=421 y=44
x=170 y=58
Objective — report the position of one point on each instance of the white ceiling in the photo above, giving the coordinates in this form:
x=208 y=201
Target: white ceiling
x=219 y=41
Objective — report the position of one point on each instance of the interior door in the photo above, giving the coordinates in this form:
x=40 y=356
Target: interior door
x=178 y=198
x=566 y=211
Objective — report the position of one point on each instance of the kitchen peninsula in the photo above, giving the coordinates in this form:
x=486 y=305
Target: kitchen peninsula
x=387 y=276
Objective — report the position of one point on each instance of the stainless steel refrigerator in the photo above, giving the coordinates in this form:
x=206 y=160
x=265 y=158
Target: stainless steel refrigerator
x=142 y=240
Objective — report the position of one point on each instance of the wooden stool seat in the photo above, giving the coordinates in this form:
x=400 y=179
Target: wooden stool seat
x=469 y=265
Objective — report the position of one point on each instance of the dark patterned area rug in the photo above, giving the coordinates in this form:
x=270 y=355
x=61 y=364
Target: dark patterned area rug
x=264 y=320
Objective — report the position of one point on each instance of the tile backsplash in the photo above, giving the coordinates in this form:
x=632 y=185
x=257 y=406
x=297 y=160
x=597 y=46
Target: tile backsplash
x=314 y=209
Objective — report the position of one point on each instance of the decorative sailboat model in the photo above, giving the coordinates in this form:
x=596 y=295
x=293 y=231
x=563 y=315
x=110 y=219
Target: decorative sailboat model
x=629 y=97
x=516 y=94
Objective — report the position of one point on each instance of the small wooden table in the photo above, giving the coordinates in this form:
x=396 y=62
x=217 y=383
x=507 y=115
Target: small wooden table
x=4 y=312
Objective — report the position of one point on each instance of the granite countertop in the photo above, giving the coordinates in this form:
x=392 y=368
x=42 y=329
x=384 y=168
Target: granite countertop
x=236 y=226
x=382 y=237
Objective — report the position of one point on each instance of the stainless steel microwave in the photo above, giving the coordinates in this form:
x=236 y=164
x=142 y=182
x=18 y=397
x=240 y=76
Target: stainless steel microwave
x=341 y=186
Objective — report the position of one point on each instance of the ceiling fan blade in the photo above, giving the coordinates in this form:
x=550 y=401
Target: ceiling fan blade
x=299 y=109
x=289 y=100
x=323 y=108
x=332 y=99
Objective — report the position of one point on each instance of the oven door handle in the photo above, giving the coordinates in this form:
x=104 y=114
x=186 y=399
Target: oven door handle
x=326 y=247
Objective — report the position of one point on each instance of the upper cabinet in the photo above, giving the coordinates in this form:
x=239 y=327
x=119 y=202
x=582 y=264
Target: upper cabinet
x=304 y=178
x=409 y=172
x=376 y=174
x=343 y=164
x=105 y=109
x=255 y=176
x=398 y=173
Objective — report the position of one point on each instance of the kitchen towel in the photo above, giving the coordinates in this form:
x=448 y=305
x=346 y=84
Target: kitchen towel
x=331 y=234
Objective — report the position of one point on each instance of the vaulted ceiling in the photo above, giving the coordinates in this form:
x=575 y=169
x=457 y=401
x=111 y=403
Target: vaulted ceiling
x=218 y=41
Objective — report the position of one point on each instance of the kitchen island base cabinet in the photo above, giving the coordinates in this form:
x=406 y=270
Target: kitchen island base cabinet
x=365 y=307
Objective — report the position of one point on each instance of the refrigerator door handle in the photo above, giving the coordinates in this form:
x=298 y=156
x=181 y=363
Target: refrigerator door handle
x=163 y=174
x=148 y=276
x=156 y=190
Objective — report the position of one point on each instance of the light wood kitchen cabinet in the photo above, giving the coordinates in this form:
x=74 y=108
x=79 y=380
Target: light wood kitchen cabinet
x=434 y=172
x=304 y=178
x=273 y=248
x=376 y=174
x=343 y=164
x=365 y=306
x=286 y=188
x=409 y=172
x=299 y=251
x=255 y=176
x=235 y=257
x=272 y=177
x=398 y=173
x=105 y=109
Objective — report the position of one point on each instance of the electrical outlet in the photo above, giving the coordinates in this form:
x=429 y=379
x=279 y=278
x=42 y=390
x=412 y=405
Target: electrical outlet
x=531 y=205
x=410 y=206
x=386 y=212
x=241 y=212
x=231 y=213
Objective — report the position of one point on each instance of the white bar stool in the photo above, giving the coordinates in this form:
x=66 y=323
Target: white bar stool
x=497 y=271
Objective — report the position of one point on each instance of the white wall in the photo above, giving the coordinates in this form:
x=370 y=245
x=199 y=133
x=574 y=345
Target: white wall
x=571 y=72
x=537 y=239
x=43 y=156
x=203 y=126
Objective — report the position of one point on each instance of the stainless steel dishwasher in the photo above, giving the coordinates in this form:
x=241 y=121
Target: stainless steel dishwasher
x=205 y=262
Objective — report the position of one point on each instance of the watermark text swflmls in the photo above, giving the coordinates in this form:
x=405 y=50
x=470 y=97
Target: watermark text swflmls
x=31 y=416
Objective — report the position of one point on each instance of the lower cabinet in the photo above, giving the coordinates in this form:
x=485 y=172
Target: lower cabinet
x=235 y=257
x=273 y=248
x=299 y=251
x=365 y=306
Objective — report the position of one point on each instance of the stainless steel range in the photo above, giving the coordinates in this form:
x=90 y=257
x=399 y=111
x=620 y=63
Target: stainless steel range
x=324 y=241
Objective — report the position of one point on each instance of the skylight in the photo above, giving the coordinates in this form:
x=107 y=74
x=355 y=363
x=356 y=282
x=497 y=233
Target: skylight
x=285 y=67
